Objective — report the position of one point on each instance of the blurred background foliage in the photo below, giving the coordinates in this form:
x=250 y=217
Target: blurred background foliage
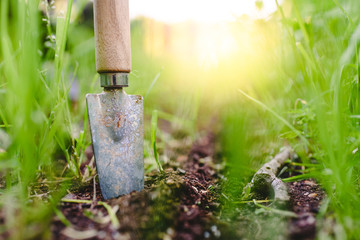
x=301 y=63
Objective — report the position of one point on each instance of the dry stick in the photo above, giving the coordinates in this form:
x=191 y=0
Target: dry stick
x=265 y=178
x=94 y=195
x=252 y=201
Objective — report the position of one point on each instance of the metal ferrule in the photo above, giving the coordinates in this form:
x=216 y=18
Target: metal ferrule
x=114 y=80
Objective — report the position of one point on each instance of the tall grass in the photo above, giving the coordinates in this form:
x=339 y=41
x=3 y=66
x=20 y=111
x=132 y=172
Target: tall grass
x=319 y=54
x=301 y=72
x=47 y=65
x=34 y=107
x=332 y=78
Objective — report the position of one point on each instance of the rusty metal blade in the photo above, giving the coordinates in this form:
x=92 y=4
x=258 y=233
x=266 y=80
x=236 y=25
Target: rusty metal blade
x=117 y=131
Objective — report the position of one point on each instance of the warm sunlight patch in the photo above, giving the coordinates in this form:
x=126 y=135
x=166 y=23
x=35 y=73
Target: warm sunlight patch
x=201 y=10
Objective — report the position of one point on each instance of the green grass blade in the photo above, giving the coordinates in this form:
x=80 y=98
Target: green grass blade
x=283 y=120
x=344 y=12
x=152 y=85
x=153 y=129
x=298 y=177
x=277 y=211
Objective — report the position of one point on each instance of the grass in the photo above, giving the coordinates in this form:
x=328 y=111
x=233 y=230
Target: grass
x=316 y=43
x=47 y=65
x=276 y=211
x=302 y=83
x=153 y=129
x=109 y=209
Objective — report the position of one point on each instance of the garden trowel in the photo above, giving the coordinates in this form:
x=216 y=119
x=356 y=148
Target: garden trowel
x=116 y=119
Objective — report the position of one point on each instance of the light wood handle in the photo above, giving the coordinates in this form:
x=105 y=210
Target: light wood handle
x=112 y=36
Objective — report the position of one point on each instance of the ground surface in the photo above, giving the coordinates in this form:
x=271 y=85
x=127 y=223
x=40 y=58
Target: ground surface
x=178 y=203
x=183 y=203
x=306 y=196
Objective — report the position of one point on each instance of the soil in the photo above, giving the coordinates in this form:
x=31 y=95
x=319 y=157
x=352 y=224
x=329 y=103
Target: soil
x=182 y=203
x=187 y=201
x=305 y=199
x=176 y=204
x=198 y=199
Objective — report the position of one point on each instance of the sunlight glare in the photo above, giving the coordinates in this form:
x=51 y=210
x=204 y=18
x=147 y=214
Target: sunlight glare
x=205 y=11
x=212 y=39
x=214 y=43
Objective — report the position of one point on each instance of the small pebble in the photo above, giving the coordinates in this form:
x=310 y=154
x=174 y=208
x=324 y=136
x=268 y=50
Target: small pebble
x=182 y=171
x=170 y=182
x=170 y=231
x=182 y=158
x=312 y=195
x=311 y=220
x=101 y=234
x=309 y=183
x=215 y=231
x=167 y=237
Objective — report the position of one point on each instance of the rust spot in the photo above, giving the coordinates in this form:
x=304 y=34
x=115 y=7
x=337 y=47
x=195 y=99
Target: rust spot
x=120 y=120
x=117 y=122
x=107 y=121
x=139 y=99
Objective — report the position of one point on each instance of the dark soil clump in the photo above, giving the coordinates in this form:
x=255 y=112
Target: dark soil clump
x=305 y=198
x=197 y=200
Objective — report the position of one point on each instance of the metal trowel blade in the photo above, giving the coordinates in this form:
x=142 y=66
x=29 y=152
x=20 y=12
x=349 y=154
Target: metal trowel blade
x=117 y=131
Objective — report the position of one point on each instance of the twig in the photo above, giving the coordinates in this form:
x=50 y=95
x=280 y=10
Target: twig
x=252 y=201
x=94 y=195
x=76 y=201
x=265 y=179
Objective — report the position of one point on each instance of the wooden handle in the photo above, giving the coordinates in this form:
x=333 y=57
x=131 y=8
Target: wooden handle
x=112 y=36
